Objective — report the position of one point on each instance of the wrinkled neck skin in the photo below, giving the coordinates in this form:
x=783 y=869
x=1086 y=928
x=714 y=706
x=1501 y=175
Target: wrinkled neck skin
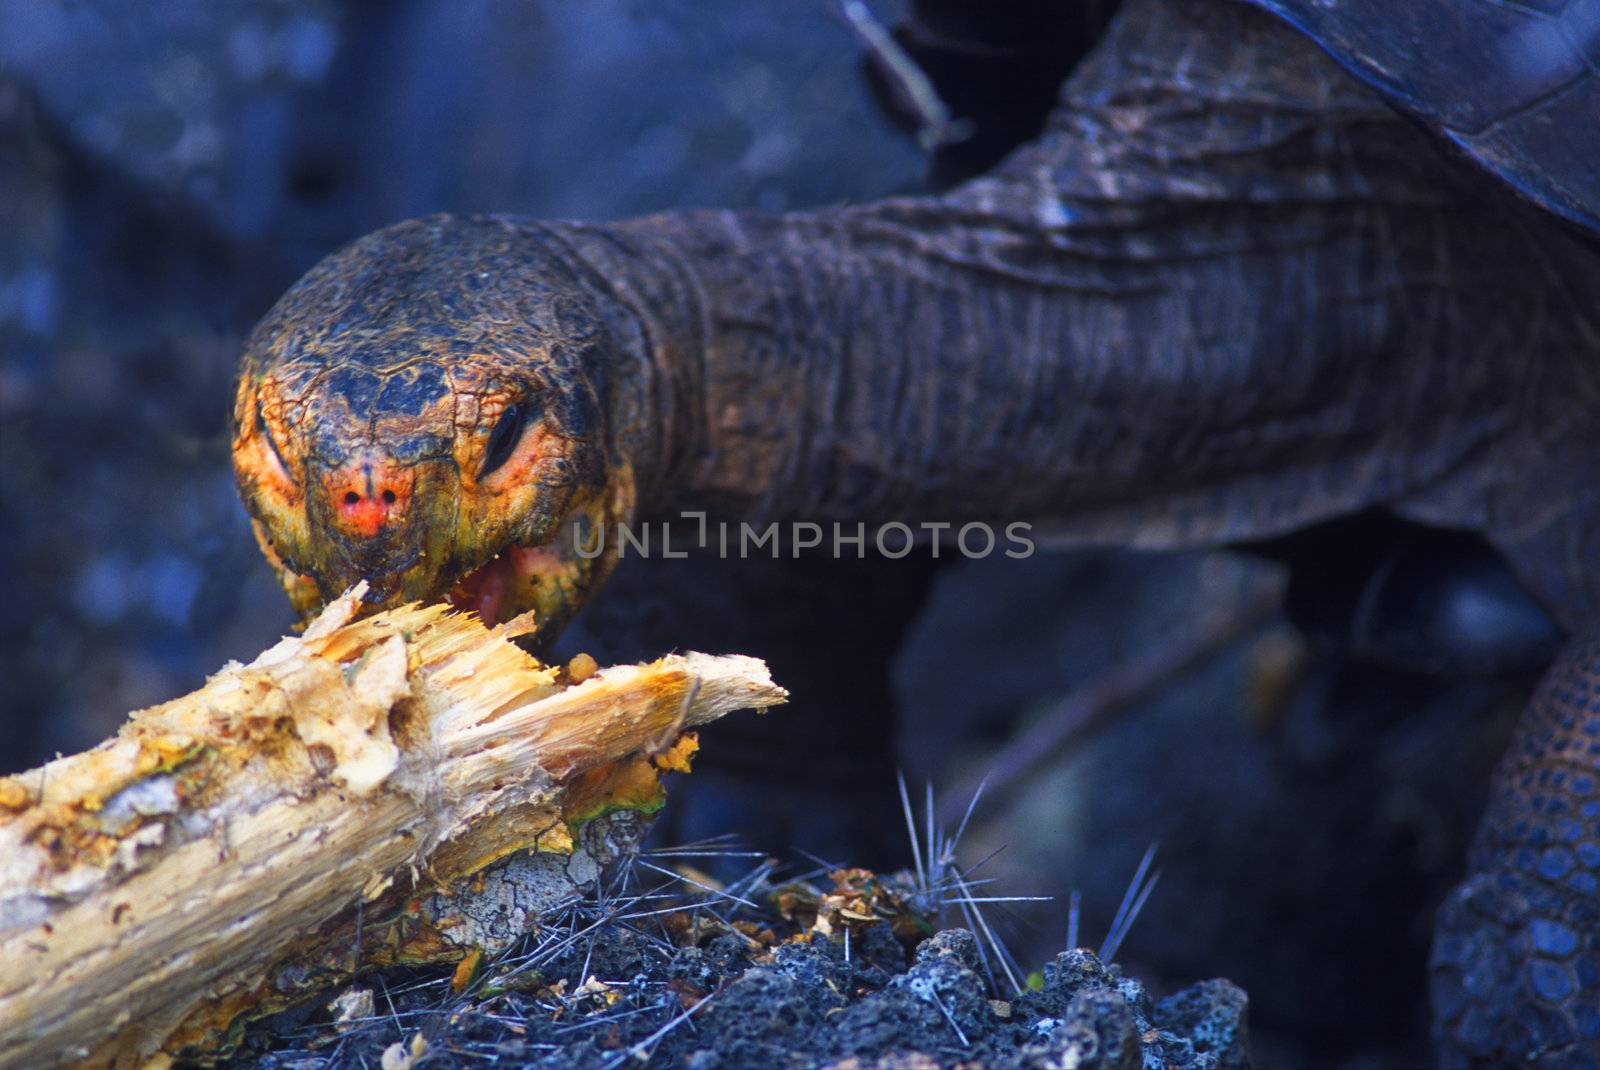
x=1190 y=313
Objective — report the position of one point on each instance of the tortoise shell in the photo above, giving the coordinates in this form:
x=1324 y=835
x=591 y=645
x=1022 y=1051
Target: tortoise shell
x=1514 y=84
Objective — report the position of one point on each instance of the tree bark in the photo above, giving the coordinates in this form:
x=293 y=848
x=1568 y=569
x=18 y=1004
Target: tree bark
x=315 y=813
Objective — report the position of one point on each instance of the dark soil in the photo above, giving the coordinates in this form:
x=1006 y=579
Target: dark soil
x=716 y=985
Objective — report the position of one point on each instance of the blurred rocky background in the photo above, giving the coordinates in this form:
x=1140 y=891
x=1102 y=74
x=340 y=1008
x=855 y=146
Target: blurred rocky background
x=1307 y=737
x=167 y=170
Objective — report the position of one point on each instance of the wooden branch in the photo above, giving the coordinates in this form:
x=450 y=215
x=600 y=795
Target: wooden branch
x=315 y=813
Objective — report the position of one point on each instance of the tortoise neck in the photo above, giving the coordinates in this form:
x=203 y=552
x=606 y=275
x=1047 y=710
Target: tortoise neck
x=655 y=311
x=1136 y=330
x=959 y=358
x=749 y=356
x=737 y=336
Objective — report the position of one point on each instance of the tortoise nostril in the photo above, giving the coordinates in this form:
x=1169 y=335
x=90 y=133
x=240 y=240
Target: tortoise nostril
x=368 y=495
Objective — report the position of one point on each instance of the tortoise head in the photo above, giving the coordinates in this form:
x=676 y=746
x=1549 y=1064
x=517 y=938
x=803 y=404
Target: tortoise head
x=426 y=410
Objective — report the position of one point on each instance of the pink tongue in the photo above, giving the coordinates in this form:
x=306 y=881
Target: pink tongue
x=483 y=591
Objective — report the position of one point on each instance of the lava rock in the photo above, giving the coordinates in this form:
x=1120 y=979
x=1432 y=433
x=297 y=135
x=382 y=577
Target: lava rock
x=758 y=1020
x=1210 y=1018
x=1097 y=1032
x=819 y=967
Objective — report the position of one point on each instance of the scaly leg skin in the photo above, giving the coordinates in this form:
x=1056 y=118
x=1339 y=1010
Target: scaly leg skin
x=1516 y=959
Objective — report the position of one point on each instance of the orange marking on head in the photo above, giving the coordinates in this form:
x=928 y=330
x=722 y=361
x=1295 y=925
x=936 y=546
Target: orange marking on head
x=369 y=494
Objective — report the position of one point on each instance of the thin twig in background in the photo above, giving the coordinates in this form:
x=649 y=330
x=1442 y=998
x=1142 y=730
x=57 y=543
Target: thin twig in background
x=1118 y=689
x=936 y=127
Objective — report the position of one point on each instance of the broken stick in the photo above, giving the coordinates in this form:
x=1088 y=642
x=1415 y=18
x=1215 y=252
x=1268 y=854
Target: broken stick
x=317 y=812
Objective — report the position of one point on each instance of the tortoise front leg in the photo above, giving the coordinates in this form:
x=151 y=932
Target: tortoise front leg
x=1516 y=958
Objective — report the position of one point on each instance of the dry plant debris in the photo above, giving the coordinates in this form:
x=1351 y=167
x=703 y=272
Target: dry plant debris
x=408 y=787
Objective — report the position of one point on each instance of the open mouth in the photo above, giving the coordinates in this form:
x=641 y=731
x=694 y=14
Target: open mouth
x=493 y=589
x=520 y=577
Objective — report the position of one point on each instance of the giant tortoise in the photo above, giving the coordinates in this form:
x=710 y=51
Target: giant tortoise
x=1266 y=265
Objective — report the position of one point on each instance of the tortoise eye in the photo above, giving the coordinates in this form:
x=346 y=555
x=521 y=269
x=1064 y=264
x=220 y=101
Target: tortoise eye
x=503 y=440
x=266 y=432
